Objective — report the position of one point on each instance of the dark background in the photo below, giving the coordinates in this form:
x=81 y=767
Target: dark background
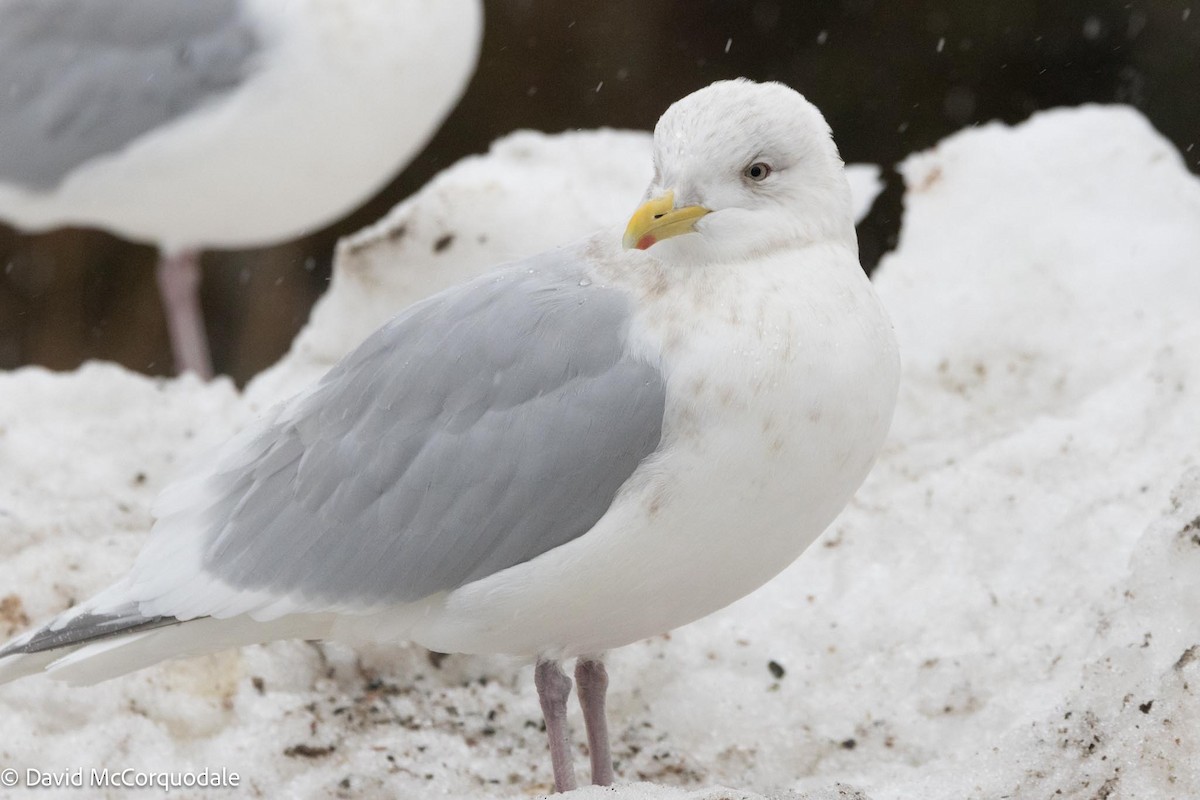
x=891 y=77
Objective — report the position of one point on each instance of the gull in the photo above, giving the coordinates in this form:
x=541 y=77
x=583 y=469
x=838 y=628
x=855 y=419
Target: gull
x=569 y=454
x=194 y=124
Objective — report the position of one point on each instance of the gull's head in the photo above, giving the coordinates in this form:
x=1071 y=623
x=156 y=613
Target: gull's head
x=741 y=168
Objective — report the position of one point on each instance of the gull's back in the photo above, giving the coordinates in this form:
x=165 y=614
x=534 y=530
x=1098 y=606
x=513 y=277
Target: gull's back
x=82 y=80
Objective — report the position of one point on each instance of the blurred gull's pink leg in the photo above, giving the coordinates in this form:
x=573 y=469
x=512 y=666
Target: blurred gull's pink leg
x=179 y=286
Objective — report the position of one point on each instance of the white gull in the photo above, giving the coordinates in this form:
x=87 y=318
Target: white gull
x=589 y=447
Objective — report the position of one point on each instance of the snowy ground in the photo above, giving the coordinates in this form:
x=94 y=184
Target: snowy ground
x=1007 y=609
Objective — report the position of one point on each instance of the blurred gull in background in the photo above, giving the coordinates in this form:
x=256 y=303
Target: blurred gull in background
x=225 y=123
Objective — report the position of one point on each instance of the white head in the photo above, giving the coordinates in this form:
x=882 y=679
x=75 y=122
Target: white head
x=741 y=168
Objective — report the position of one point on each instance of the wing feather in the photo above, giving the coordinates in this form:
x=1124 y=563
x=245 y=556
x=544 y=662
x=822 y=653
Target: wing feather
x=472 y=433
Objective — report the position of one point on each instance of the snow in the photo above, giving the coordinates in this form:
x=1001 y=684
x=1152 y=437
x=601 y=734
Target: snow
x=1007 y=609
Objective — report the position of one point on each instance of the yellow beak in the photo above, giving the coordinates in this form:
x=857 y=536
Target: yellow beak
x=659 y=219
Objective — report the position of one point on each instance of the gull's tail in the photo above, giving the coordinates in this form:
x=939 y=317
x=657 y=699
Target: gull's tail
x=109 y=636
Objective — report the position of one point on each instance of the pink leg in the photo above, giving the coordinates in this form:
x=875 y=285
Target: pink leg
x=592 y=680
x=179 y=285
x=554 y=687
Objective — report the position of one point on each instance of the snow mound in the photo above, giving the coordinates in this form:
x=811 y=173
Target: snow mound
x=1007 y=609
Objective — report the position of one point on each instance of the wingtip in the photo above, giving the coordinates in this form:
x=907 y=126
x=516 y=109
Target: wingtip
x=16 y=665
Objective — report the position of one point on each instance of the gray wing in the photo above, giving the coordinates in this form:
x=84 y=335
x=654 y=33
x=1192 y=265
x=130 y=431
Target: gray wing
x=81 y=78
x=85 y=628
x=474 y=432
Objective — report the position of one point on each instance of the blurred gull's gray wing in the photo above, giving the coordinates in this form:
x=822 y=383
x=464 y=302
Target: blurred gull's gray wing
x=474 y=432
x=82 y=78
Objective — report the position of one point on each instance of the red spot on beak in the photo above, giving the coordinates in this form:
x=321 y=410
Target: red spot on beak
x=645 y=242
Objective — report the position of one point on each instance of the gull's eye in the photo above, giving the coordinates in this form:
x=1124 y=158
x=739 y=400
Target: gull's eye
x=758 y=171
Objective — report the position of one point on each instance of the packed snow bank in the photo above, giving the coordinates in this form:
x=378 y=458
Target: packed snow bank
x=1044 y=293
x=1008 y=608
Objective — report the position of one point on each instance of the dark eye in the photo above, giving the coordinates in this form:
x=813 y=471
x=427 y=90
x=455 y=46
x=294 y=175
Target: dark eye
x=757 y=171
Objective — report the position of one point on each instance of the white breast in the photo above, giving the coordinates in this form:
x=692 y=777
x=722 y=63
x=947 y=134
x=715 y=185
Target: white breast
x=781 y=386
